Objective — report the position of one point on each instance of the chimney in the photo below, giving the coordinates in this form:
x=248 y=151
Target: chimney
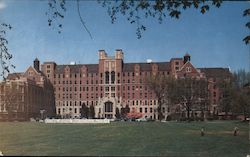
x=102 y=54
x=118 y=54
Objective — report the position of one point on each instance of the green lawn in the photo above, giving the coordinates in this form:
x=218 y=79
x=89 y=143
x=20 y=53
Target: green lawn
x=125 y=138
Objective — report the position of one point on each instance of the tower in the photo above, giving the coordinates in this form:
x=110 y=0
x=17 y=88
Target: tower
x=186 y=58
x=37 y=65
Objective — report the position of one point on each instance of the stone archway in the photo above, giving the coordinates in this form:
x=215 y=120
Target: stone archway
x=108 y=109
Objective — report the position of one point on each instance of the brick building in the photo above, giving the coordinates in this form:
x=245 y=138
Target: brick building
x=112 y=83
x=26 y=95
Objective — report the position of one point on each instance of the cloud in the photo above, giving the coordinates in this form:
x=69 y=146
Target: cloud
x=2 y=4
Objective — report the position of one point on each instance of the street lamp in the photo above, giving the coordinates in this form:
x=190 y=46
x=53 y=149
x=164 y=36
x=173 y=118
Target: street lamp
x=42 y=112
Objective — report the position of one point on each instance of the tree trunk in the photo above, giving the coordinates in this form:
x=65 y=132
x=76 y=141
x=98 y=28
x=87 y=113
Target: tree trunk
x=159 y=109
x=188 y=112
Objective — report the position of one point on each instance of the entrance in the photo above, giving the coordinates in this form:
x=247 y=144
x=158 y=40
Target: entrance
x=108 y=110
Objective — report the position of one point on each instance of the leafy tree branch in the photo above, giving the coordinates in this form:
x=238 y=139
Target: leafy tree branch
x=5 y=55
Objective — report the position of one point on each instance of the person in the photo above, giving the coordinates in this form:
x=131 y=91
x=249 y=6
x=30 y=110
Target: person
x=202 y=131
x=236 y=131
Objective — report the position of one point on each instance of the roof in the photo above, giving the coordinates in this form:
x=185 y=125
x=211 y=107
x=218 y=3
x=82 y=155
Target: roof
x=13 y=76
x=176 y=59
x=91 y=68
x=216 y=72
x=127 y=67
x=162 y=66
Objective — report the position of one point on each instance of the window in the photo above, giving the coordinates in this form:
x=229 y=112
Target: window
x=188 y=69
x=176 y=63
x=140 y=110
x=112 y=77
x=107 y=77
x=106 y=89
x=146 y=110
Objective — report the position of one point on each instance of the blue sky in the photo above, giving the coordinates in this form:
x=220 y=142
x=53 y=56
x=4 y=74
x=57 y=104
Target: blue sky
x=212 y=40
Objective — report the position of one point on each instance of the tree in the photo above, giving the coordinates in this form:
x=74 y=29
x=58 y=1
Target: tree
x=127 y=109
x=117 y=113
x=5 y=55
x=10 y=94
x=91 y=112
x=161 y=85
x=136 y=11
x=227 y=95
x=84 y=111
x=241 y=95
x=191 y=94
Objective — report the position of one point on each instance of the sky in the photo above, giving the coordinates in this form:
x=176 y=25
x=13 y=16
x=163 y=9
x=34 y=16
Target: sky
x=213 y=39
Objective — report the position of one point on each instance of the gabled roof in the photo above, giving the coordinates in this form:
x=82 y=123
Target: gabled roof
x=190 y=64
x=33 y=69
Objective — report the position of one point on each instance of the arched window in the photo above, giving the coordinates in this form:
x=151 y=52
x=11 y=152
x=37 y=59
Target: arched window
x=112 y=77
x=107 y=77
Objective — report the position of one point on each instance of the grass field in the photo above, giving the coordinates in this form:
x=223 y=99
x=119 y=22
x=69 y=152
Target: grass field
x=124 y=138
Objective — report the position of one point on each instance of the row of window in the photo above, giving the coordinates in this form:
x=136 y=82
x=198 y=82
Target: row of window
x=69 y=95
x=101 y=88
x=96 y=81
x=124 y=74
x=68 y=110
x=94 y=103
x=76 y=103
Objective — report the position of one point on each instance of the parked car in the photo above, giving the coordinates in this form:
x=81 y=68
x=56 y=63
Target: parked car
x=141 y=120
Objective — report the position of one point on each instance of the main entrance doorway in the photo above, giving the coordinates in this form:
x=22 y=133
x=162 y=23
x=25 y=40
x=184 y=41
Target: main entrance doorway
x=108 y=110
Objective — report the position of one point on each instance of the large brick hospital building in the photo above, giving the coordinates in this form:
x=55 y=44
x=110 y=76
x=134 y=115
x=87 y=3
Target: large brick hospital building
x=112 y=84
